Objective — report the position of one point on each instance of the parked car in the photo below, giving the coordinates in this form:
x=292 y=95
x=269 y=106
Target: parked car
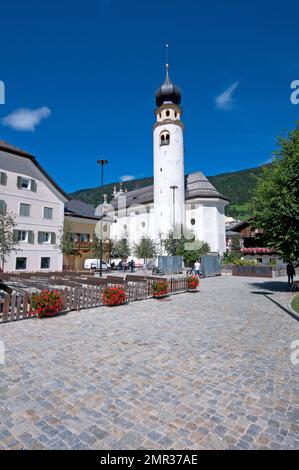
x=95 y=264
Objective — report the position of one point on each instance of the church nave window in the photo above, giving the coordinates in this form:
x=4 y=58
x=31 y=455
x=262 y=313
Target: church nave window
x=192 y=221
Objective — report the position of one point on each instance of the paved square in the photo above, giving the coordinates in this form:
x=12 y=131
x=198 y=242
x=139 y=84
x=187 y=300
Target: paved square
x=209 y=370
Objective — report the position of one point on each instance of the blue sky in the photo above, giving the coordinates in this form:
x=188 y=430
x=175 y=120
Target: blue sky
x=89 y=70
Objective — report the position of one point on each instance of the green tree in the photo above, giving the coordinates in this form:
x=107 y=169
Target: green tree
x=95 y=247
x=182 y=242
x=66 y=245
x=7 y=240
x=145 y=249
x=275 y=201
x=120 y=248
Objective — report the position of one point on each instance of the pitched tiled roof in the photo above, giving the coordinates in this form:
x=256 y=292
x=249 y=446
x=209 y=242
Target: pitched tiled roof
x=6 y=147
x=75 y=208
x=196 y=184
x=79 y=208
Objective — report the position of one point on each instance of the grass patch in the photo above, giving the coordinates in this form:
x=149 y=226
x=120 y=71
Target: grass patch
x=295 y=303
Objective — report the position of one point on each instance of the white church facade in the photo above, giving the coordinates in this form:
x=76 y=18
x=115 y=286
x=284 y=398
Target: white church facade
x=174 y=198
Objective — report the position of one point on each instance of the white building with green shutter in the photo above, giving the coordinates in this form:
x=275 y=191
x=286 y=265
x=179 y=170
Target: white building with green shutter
x=37 y=202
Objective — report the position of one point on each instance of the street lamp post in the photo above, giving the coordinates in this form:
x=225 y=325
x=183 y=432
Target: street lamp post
x=101 y=163
x=173 y=205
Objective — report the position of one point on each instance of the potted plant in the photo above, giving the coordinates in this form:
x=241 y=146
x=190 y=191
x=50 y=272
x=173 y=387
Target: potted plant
x=113 y=296
x=160 y=289
x=192 y=283
x=46 y=303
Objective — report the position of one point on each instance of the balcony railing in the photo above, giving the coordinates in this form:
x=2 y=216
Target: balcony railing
x=83 y=245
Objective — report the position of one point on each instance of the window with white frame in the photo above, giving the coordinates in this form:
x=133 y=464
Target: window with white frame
x=45 y=262
x=22 y=236
x=25 y=183
x=48 y=213
x=24 y=210
x=44 y=237
x=21 y=263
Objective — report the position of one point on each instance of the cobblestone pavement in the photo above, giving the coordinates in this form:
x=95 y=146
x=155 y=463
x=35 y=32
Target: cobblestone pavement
x=208 y=370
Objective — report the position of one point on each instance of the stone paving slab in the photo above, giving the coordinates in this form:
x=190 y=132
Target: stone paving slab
x=208 y=370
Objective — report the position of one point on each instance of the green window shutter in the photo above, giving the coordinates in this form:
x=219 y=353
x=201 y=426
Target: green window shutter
x=48 y=213
x=24 y=209
x=30 y=237
x=15 y=235
x=19 y=182
x=53 y=238
x=33 y=186
x=3 y=179
x=40 y=237
x=3 y=207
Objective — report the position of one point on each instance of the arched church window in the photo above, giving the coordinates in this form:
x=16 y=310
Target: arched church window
x=167 y=113
x=192 y=221
x=143 y=224
x=164 y=138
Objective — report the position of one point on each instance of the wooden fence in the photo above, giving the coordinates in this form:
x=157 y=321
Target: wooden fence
x=17 y=305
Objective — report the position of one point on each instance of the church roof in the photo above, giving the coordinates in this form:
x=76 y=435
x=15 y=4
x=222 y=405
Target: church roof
x=168 y=92
x=196 y=186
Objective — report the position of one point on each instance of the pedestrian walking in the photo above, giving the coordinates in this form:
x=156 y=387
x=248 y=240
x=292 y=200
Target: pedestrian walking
x=291 y=273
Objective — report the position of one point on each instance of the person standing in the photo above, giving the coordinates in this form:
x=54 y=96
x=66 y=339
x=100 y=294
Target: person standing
x=290 y=272
x=197 y=267
x=132 y=266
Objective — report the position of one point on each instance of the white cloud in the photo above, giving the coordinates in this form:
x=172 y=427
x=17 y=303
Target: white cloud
x=225 y=101
x=24 y=119
x=127 y=178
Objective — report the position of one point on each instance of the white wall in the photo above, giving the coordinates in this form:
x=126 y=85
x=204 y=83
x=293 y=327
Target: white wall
x=45 y=195
x=168 y=171
x=208 y=215
x=209 y=226
x=136 y=225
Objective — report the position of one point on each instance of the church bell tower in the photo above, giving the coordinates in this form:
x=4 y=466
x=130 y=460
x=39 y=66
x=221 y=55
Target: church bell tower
x=169 y=180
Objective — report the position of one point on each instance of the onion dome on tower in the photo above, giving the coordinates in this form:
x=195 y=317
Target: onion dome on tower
x=168 y=92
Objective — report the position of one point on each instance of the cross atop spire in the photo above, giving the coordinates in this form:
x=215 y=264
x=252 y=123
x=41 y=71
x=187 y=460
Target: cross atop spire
x=167 y=60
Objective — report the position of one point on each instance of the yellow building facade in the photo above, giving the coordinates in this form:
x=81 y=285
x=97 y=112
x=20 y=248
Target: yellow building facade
x=81 y=221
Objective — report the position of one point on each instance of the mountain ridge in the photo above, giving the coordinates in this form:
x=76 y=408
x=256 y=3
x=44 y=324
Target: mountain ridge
x=236 y=185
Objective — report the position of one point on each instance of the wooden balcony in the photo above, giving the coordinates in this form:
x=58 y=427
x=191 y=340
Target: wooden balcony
x=83 y=246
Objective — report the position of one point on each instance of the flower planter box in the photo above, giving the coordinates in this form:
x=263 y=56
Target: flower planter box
x=160 y=289
x=252 y=271
x=114 y=296
x=163 y=296
x=192 y=284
